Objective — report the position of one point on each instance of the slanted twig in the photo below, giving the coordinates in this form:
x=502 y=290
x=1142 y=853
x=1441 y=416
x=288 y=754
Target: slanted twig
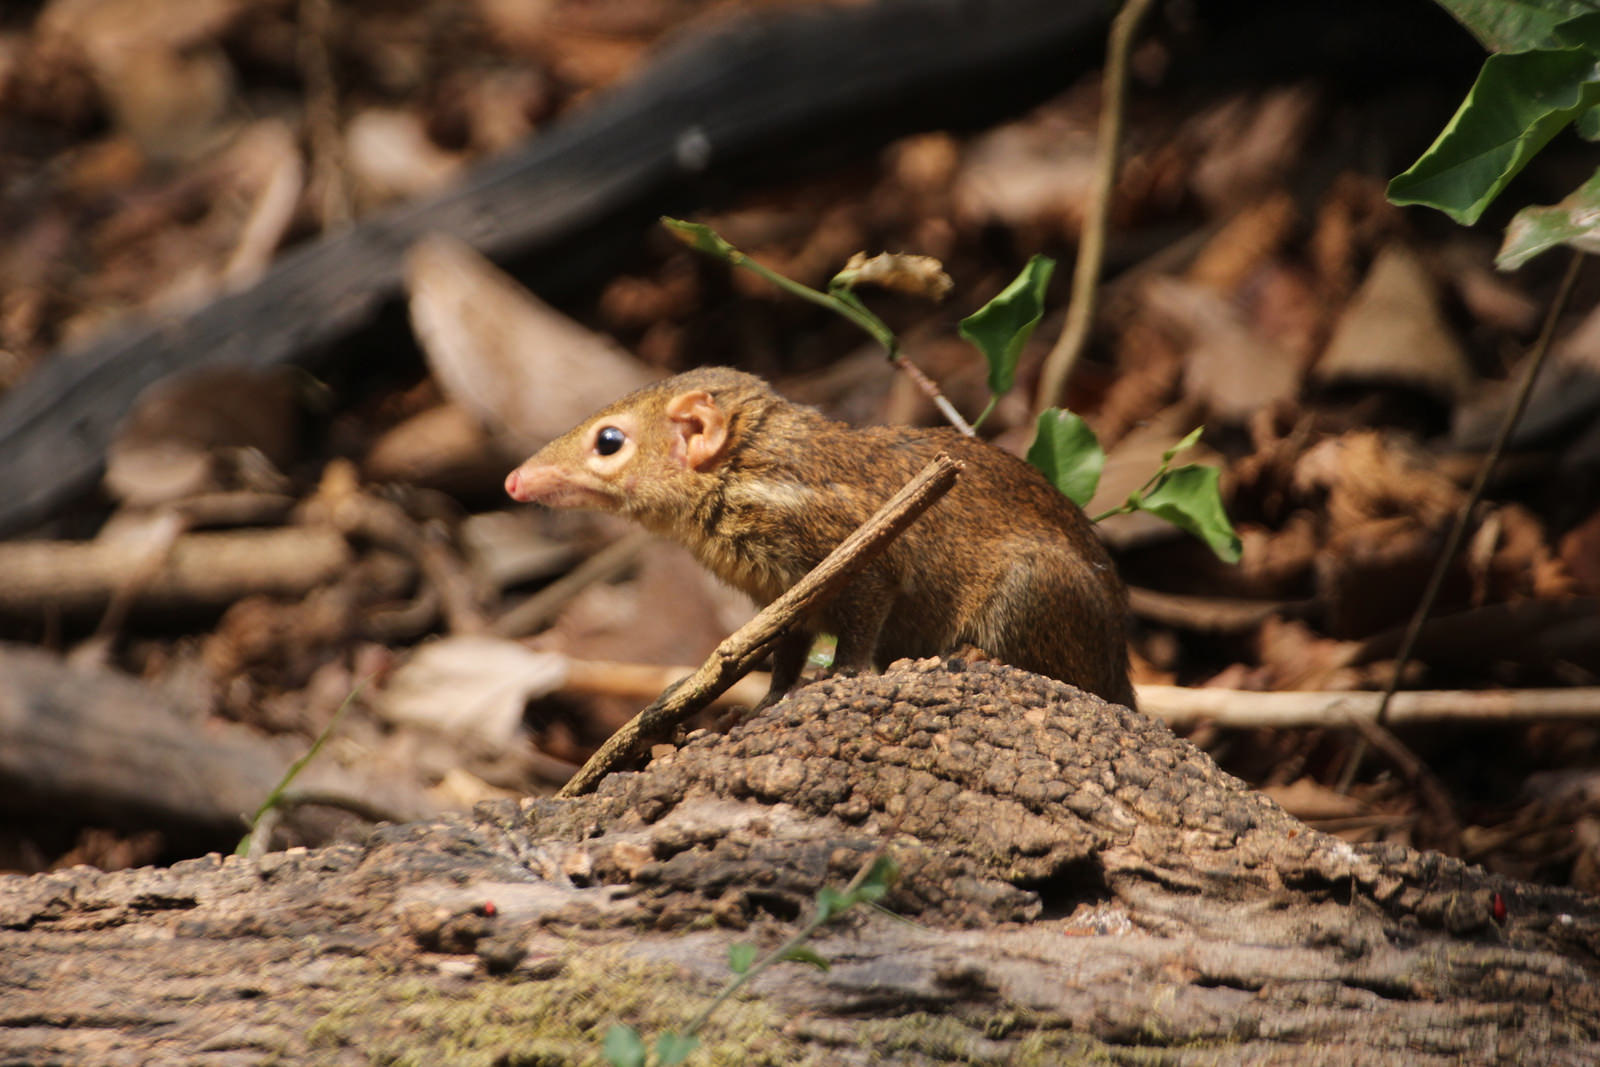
x=1092 y=238
x=740 y=652
x=1393 y=746
x=1541 y=348
x=540 y=609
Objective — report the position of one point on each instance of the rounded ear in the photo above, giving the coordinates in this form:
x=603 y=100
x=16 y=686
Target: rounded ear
x=699 y=428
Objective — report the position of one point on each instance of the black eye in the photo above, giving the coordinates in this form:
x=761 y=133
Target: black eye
x=608 y=440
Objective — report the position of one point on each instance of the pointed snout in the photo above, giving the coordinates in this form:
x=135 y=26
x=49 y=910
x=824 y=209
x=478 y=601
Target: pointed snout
x=514 y=485
x=553 y=486
x=529 y=483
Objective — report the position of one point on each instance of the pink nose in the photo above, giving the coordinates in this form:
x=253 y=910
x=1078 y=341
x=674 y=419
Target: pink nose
x=513 y=484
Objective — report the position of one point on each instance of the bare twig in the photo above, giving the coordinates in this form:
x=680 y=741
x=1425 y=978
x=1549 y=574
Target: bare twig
x=1092 y=239
x=645 y=681
x=341 y=502
x=736 y=655
x=322 y=115
x=1419 y=776
x=1183 y=706
x=196 y=570
x=930 y=389
x=1541 y=348
x=538 y=610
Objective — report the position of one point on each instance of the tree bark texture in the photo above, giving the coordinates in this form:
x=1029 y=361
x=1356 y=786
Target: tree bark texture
x=1081 y=886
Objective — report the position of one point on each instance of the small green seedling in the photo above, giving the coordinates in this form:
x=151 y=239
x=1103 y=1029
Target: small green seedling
x=1065 y=449
x=276 y=797
x=625 y=1047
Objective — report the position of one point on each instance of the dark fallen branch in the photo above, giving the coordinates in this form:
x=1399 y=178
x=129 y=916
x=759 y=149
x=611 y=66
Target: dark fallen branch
x=90 y=743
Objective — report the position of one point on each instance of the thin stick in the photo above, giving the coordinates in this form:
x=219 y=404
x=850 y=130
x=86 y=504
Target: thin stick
x=736 y=655
x=538 y=610
x=1182 y=706
x=931 y=390
x=1092 y=240
x=329 y=177
x=1541 y=348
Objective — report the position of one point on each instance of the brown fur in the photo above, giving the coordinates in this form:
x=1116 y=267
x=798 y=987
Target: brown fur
x=1003 y=562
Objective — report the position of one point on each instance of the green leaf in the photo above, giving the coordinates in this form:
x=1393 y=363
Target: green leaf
x=1583 y=31
x=1190 y=439
x=878 y=880
x=1575 y=221
x=1188 y=497
x=806 y=954
x=1514 y=25
x=673 y=1048
x=1001 y=327
x=741 y=955
x=1588 y=124
x=701 y=238
x=1518 y=103
x=1066 y=451
x=831 y=902
x=624 y=1047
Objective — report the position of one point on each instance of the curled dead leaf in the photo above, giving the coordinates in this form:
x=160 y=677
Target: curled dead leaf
x=904 y=272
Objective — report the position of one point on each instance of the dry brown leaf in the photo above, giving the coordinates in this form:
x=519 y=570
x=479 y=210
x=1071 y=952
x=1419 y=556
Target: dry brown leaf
x=1384 y=512
x=511 y=547
x=1251 y=146
x=504 y=355
x=925 y=163
x=1278 y=563
x=631 y=301
x=1580 y=552
x=670 y=612
x=1150 y=366
x=587 y=59
x=266 y=157
x=1493 y=298
x=1129 y=464
x=1293 y=656
x=1368 y=476
x=391 y=157
x=472 y=686
x=1354 y=216
x=1306 y=798
x=1567 y=394
x=445 y=448
x=497 y=109
x=1285 y=310
x=1523 y=563
x=1229 y=372
x=1393 y=331
x=903 y=272
x=184 y=433
x=1028 y=174
x=155 y=62
x=1371 y=576
x=1244 y=243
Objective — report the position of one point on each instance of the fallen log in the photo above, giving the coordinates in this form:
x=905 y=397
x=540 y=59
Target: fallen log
x=187 y=571
x=87 y=743
x=1082 y=884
